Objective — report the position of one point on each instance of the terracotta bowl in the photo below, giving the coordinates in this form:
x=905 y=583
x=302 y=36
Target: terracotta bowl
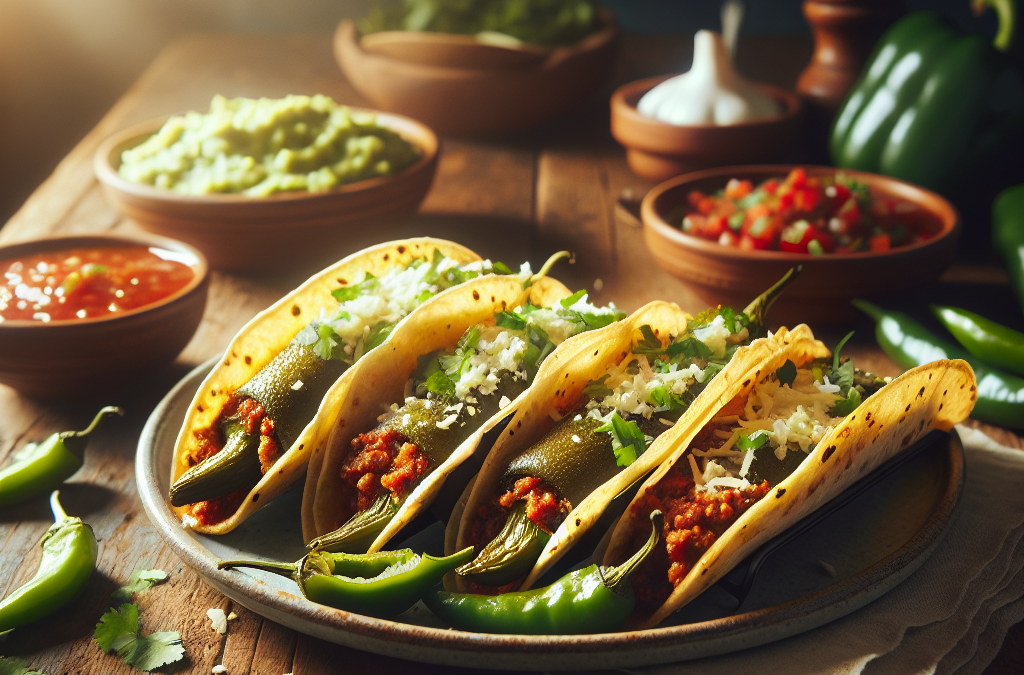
x=66 y=359
x=243 y=233
x=658 y=151
x=822 y=293
x=466 y=89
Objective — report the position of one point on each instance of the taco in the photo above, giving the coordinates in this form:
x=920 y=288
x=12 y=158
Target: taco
x=800 y=426
x=250 y=428
x=593 y=426
x=417 y=410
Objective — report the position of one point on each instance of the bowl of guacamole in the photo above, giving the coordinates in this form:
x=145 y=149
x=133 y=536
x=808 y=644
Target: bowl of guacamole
x=258 y=183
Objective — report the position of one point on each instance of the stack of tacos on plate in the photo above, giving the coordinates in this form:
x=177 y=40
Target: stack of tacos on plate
x=790 y=432
x=417 y=409
x=275 y=395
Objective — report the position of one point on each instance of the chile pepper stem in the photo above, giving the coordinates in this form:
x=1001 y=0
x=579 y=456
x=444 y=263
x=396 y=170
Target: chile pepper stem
x=613 y=576
x=757 y=310
x=105 y=412
x=1004 y=10
x=59 y=514
x=284 y=569
x=872 y=310
x=551 y=263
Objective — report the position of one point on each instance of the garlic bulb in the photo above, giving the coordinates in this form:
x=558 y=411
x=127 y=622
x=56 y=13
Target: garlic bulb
x=712 y=92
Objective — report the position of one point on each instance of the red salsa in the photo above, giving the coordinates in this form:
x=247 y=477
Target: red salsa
x=88 y=283
x=804 y=214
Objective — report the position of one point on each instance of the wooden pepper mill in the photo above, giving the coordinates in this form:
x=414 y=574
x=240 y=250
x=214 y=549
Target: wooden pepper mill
x=844 y=33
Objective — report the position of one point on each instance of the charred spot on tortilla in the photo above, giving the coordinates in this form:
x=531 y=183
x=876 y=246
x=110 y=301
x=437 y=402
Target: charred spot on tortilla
x=907 y=409
x=248 y=360
x=401 y=249
x=827 y=453
x=492 y=298
x=940 y=405
x=387 y=257
x=296 y=310
x=920 y=393
x=845 y=433
x=578 y=521
x=476 y=295
x=256 y=497
x=227 y=363
x=343 y=282
x=519 y=424
x=779 y=493
x=200 y=407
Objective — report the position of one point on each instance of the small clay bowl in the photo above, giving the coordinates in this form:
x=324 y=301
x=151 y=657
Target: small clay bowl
x=466 y=88
x=257 y=234
x=73 y=358
x=821 y=294
x=658 y=151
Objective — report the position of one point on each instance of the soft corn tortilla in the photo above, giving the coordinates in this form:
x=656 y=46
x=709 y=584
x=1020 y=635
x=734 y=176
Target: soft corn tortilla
x=379 y=379
x=933 y=396
x=263 y=338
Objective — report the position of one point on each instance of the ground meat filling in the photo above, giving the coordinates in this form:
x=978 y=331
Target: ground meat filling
x=693 y=522
x=381 y=460
x=211 y=441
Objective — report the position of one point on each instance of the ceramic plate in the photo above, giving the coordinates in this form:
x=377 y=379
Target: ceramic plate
x=865 y=551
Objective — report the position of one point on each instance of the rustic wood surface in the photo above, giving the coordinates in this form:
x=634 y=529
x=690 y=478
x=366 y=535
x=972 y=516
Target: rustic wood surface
x=514 y=199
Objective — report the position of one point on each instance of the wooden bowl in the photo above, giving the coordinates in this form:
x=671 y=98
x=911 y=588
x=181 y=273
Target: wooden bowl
x=488 y=95
x=73 y=358
x=243 y=233
x=658 y=151
x=821 y=295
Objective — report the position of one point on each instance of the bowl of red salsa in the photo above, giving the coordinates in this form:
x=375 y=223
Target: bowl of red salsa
x=80 y=313
x=730 y=232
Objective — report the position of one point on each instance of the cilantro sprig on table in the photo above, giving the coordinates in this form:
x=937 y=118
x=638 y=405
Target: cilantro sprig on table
x=10 y=665
x=120 y=631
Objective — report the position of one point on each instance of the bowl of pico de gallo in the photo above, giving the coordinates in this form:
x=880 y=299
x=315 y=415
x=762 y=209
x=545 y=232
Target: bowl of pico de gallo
x=730 y=232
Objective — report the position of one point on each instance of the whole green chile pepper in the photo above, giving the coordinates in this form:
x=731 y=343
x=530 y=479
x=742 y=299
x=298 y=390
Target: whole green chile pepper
x=991 y=342
x=1008 y=235
x=42 y=467
x=69 y=558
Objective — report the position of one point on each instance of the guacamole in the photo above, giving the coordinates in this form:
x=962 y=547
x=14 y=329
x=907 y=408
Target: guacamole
x=261 y=146
x=542 y=22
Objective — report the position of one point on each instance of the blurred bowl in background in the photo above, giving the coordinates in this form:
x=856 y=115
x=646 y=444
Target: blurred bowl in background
x=657 y=150
x=74 y=358
x=821 y=295
x=463 y=87
x=257 y=234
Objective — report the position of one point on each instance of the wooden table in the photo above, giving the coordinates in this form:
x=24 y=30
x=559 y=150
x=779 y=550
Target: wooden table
x=516 y=199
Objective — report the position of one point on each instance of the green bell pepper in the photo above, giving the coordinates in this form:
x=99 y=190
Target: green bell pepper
x=1008 y=235
x=931 y=101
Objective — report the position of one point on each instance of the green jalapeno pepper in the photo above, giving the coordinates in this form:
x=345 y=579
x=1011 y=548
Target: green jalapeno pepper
x=69 y=558
x=573 y=459
x=380 y=584
x=41 y=467
x=909 y=344
x=1008 y=235
x=991 y=342
x=591 y=600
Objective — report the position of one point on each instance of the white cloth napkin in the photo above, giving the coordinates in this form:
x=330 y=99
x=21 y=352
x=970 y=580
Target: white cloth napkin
x=951 y=616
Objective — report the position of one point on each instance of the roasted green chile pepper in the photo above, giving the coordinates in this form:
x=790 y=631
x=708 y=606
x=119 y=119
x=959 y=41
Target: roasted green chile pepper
x=69 y=558
x=591 y=600
x=991 y=342
x=909 y=344
x=1008 y=235
x=41 y=467
x=382 y=584
x=930 y=101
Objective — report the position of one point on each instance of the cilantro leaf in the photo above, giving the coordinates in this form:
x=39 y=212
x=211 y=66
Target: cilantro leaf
x=844 y=407
x=628 y=441
x=649 y=343
x=378 y=334
x=786 y=373
x=734 y=321
x=573 y=299
x=140 y=580
x=364 y=287
x=440 y=384
x=510 y=320
x=149 y=652
x=597 y=388
x=752 y=441
x=117 y=628
x=842 y=375
x=501 y=268
x=10 y=665
x=689 y=346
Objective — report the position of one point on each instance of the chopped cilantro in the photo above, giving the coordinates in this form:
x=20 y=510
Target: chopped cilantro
x=141 y=580
x=502 y=268
x=648 y=343
x=440 y=384
x=753 y=440
x=734 y=321
x=572 y=299
x=597 y=388
x=119 y=631
x=364 y=287
x=510 y=320
x=786 y=373
x=690 y=347
x=845 y=406
x=628 y=442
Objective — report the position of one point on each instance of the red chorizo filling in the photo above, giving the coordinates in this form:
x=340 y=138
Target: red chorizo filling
x=211 y=441
x=381 y=460
x=693 y=522
x=543 y=507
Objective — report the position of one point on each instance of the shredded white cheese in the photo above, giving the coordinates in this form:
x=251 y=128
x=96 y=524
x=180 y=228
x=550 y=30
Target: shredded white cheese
x=297 y=385
x=447 y=421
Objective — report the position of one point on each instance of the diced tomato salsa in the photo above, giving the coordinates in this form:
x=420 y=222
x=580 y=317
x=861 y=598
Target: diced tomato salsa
x=816 y=215
x=88 y=283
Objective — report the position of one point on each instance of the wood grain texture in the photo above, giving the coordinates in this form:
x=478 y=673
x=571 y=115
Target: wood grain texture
x=512 y=199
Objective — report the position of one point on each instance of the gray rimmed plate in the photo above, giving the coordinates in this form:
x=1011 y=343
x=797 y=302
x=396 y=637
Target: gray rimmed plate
x=840 y=564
